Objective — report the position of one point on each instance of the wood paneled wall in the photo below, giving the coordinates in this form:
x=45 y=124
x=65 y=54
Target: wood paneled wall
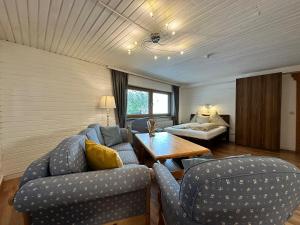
x=45 y=97
x=258 y=107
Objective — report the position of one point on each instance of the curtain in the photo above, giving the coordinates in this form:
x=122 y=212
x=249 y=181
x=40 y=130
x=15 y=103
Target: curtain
x=120 y=85
x=175 y=90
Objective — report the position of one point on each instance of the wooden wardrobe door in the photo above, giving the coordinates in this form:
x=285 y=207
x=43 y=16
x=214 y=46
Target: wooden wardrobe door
x=255 y=105
x=258 y=108
x=272 y=111
x=242 y=99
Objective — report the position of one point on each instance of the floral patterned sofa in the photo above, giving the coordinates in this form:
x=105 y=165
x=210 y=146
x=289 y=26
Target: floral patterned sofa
x=237 y=190
x=58 y=188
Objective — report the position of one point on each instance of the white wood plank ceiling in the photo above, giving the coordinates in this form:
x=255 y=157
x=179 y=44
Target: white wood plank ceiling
x=241 y=35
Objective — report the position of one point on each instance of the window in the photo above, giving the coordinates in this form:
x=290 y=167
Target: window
x=146 y=102
x=160 y=103
x=137 y=102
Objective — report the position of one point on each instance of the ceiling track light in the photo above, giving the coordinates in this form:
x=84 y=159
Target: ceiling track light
x=169 y=57
x=181 y=52
x=155 y=57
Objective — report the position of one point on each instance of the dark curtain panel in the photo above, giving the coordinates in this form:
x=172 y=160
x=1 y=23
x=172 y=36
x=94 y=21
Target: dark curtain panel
x=120 y=85
x=175 y=103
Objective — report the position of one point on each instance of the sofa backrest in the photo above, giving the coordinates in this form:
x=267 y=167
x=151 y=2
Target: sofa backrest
x=91 y=134
x=69 y=156
x=245 y=190
x=97 y=127
x=140 y=125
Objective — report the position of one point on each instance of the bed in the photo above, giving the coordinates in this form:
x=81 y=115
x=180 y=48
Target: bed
x=220 y=133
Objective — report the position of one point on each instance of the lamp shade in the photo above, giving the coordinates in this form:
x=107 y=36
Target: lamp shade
x=107 y=102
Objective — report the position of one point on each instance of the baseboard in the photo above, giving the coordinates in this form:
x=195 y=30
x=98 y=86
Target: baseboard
x=13 y=176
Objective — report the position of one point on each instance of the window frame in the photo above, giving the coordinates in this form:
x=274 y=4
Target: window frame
x=150 y=103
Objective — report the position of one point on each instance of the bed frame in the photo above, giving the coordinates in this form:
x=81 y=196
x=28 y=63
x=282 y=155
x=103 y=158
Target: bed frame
x=224 y=137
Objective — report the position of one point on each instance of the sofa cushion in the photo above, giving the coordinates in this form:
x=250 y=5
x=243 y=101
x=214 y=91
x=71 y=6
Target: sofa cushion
x=128 y=157
x=100 y=157
x=68 y=156
x=123 y=147
x=91 y=134
x=187 y=163
x=111 y=135
x=97 y=128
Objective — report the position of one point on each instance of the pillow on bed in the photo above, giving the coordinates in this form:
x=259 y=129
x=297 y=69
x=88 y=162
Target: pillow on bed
x=200 y=119
x=218 y=120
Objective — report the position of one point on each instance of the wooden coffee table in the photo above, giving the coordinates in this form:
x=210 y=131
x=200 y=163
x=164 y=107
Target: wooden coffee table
x=165 y=146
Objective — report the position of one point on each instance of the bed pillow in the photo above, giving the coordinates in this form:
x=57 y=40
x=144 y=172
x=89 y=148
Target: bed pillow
x=218 y=120
x=200 y=119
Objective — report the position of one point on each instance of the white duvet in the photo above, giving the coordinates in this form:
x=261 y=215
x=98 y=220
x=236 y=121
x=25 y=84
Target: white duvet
x=186 y=130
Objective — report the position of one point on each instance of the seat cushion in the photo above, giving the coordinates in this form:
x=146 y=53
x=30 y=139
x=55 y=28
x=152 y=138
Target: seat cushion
x=111 y=135
x=100 y=157
x=68 y=157
x=123 y=147
x=187 y=163
x=128 y=157
x=91 y=134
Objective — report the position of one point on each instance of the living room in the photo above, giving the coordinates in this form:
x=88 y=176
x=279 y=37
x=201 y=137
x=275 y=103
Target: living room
x=148 y=112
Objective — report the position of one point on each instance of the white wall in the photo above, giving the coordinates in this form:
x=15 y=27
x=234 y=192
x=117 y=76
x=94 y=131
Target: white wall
x=220 y=95
x=288 y=113
x=44 y=98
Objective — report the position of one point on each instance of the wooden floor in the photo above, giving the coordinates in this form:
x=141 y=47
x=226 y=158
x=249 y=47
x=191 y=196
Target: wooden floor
x=8 y=216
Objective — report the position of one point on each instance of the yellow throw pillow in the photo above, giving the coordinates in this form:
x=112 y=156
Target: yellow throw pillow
x=100 y=157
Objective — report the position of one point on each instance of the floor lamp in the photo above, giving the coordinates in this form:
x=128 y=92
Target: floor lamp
x=107 y=102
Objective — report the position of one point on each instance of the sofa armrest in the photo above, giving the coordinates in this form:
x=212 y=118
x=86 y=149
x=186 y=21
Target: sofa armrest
x=169 y=188
x=63 y=190
x=124 y=134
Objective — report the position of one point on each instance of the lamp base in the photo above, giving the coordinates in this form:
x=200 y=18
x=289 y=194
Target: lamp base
x=107 y=117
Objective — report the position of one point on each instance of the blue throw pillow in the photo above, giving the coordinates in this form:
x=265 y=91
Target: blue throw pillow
x=111 y=135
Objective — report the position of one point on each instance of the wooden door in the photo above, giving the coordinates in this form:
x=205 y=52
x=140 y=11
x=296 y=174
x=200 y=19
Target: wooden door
x=258 y=107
